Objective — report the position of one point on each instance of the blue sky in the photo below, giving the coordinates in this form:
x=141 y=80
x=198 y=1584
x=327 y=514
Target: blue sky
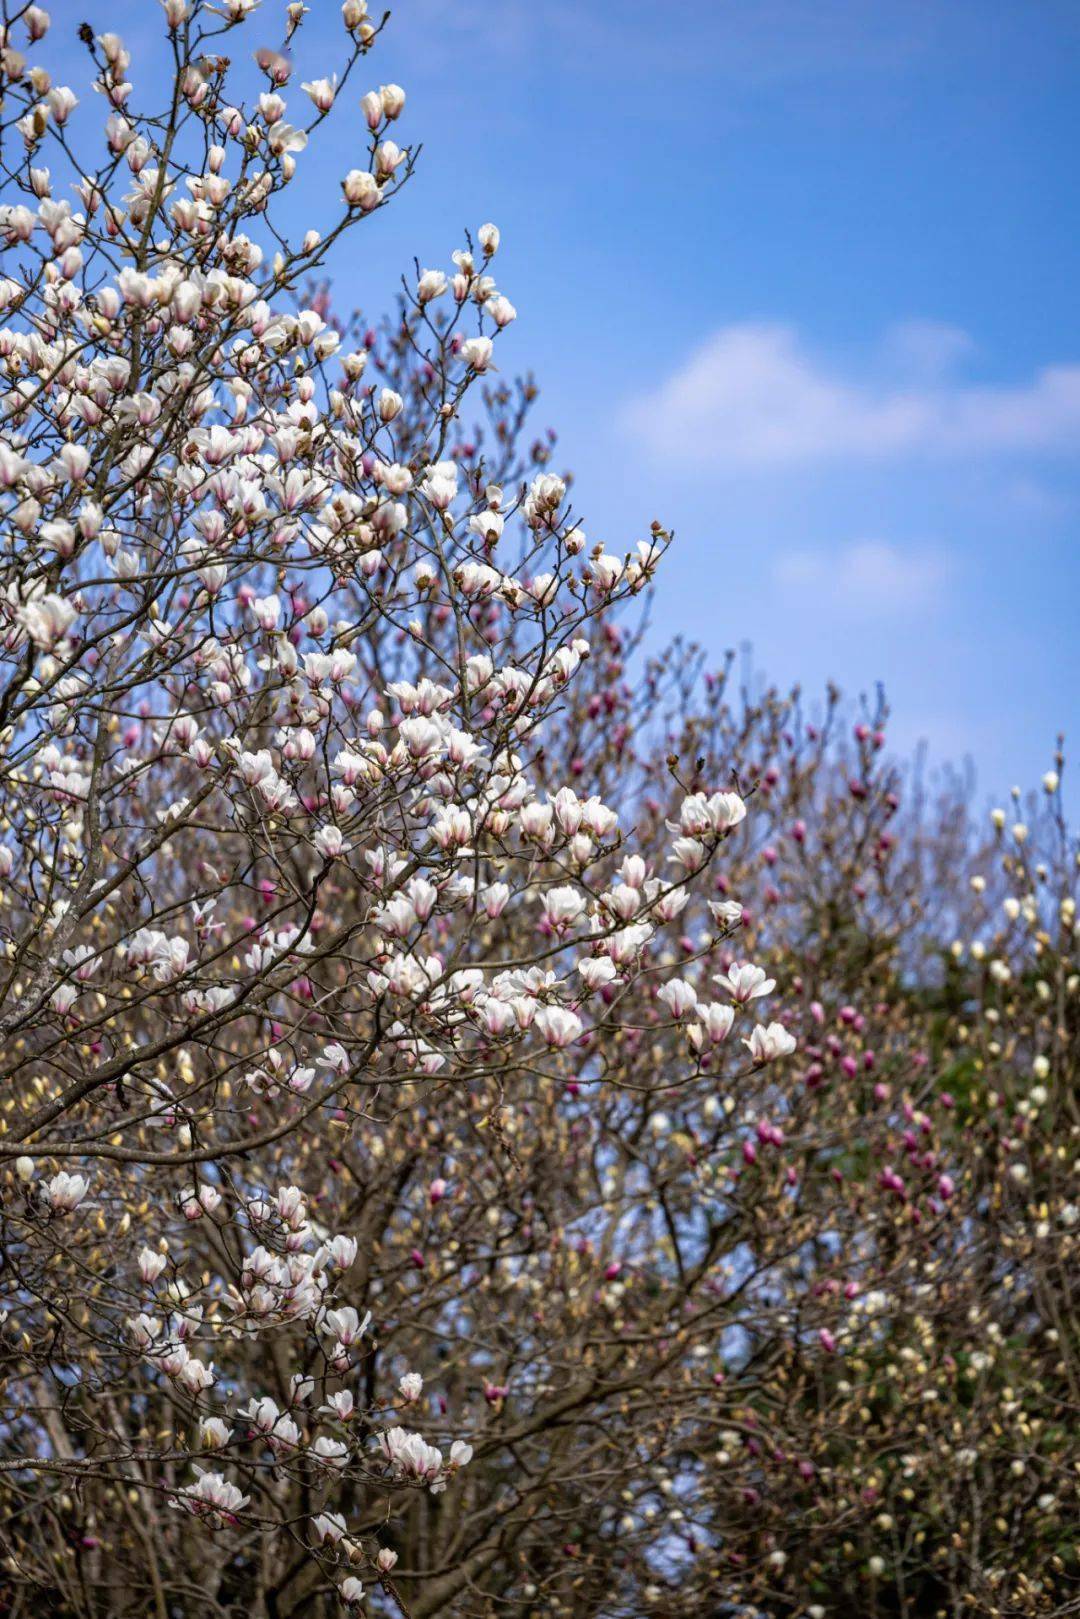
x=800 y=280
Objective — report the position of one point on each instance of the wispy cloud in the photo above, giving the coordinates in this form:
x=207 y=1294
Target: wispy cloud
x=753 y=396
x=868 y=577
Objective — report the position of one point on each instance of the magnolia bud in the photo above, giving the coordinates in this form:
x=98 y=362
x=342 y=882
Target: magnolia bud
x=24 y=1168
x=388 y=156
x=390 y=405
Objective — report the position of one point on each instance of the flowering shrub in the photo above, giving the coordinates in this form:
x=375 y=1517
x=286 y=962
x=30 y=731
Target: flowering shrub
x=483 y=1130
x=902 y=1440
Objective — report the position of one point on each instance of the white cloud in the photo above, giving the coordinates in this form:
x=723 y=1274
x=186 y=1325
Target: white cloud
x=753 y=397
x=868 y=577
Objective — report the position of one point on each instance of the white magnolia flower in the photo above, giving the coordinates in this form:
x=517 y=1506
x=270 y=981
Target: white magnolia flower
x=765 y=1044
x=745 y=982
x=151 y=1264
x=345 y=1324
x=211 y=1498
x=330 y=842
x=410 y=1455
x=65 y=1192
x=557 y=1026
x=46 y=620
x=329 y=1526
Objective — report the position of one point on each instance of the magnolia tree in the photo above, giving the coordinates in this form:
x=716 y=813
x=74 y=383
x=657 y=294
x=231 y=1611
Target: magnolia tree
x=301 y=938
x=407 y=1204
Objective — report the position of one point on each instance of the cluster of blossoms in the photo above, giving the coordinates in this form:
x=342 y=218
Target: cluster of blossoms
x=410 y=1457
